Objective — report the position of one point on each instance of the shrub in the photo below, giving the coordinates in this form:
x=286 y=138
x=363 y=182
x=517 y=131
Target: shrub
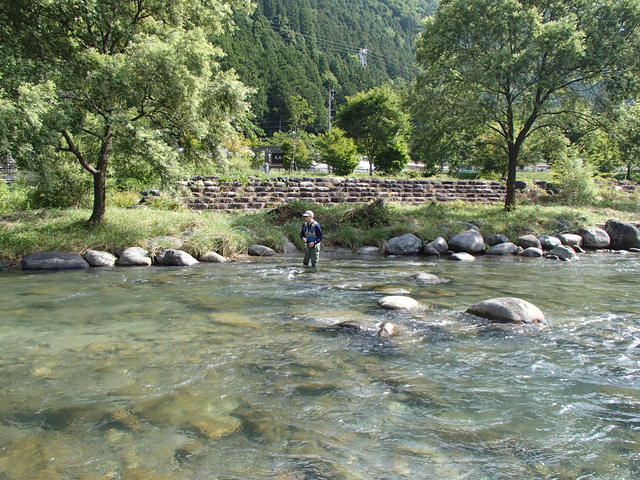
x=576 y=181
x=14 y=198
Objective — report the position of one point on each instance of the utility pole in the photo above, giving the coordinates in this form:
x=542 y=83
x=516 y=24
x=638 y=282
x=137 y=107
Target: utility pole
x=329 y=115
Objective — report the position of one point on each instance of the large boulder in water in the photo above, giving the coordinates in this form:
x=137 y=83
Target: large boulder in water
x=527 y=241
x=175 y=258
x=96 y=258
x=593 y=237
x=406 y=244
x=400 y=303
x=564 y=253
x=429 y=278
x=134 y=256
x=570 y=239
x=507 y=310
x=506 y=248
x=52 y=261
x=623 y=235
x=548 y=242
x=261 y=251
x=462 y=257
x=469 y=241
x=437 y=246
x=212 y=257
x=496 y=239
x=532 y=252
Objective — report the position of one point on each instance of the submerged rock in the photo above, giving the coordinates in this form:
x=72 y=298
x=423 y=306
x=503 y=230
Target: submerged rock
x=507 y=310
x=623 y=235
x=175 y=258
x=134 y=256
x=52 y=261
x=387 y=329
x=593 y=237
x=100 y=259
x=218 y=427
x=429 y=278
x=261 y=251
x=368 y=250
x=469 y=241
x=506 y=248
x=400 y=303
x=406 y=244
x=212 y=257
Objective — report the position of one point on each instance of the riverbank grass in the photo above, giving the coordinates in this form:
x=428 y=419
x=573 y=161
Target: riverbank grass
x=230 y=234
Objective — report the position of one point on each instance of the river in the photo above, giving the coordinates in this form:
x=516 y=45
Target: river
x=228 y=371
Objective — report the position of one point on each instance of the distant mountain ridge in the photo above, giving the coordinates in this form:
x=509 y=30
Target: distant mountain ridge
x=312 y=48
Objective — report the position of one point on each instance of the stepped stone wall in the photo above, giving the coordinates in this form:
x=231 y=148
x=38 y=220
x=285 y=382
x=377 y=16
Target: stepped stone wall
x=210 y=193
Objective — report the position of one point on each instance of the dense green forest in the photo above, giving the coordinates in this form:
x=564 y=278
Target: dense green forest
x=311 y=48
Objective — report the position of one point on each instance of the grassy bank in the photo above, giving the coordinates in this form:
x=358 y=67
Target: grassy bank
x=231 y=234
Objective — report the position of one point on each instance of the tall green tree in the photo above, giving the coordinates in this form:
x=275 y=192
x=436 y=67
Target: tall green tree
x=379 y=125
x=102 y=80
x=338 y=152
x=626 y=135
x=514 y=67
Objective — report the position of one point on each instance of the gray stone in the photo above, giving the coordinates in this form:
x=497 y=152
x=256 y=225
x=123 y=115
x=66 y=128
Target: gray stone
x=406 y=244
x=506 y=248
x=96 y=258
x=400 y=303
x=593 y=237
x=3 y=267
x=526 y=241
x=570 y=239
x=368 y=250
x=564 y=253
x=429 y=278
x=212 y=257
x=469 y=241
x=462 y=257
x=52 y=261
x=175 y=258
x=507 y=310
x=134 y=256
x=548 y=242
x=496 y=239
x=289 y=247
x=577 y=249
x=261 y=251
x=623 y=235
x=387 y=330
x=532 y=252
x=437 y=246
x=634 y=250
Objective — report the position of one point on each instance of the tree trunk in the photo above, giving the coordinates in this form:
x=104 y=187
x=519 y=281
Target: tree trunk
x=99 y=197
x=510 y=200
x=100 y=177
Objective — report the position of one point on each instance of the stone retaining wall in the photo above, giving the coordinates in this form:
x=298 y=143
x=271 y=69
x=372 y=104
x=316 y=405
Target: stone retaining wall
x=210 y=193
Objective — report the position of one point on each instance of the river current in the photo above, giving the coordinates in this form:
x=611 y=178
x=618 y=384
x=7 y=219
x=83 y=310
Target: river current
x=228 y=371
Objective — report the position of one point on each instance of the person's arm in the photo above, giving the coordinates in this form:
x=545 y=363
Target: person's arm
x=302 y=234
x=318 y=233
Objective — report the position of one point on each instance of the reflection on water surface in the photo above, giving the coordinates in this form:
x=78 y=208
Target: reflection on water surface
x=227 y=371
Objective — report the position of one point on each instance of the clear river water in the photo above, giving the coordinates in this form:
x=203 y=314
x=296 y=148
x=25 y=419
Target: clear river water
x=228 y=371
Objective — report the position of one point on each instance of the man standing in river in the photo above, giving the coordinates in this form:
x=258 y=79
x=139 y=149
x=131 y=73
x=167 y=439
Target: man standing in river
x=311 y=235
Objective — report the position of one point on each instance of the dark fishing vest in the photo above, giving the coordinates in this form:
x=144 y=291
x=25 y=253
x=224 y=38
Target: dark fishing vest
x=309 y=231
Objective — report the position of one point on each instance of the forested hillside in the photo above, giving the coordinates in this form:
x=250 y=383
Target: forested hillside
x=314 y=47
